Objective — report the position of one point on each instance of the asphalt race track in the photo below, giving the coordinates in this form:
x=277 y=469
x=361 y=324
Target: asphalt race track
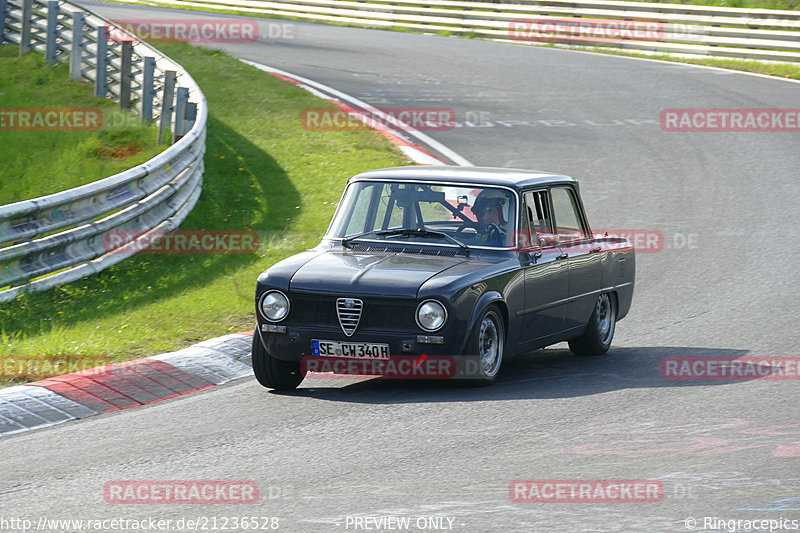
x=725 y=283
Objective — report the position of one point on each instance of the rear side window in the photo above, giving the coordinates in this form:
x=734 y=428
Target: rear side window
x=567 y=217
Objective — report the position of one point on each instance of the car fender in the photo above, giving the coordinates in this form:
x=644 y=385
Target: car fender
x=487 y=298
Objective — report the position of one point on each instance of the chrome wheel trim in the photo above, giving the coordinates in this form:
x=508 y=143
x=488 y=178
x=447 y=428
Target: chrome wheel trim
x=605 y=318
x=490 y=345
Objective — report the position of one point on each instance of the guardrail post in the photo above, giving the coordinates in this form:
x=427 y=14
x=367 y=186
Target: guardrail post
x=148 y=89
x=101 y=81
x=180 y=113
x=52 y=32
x=191 y=116
x=125 y=76
x=76 y=52
x=25 y=30
x=3 y=11
x=165 y=119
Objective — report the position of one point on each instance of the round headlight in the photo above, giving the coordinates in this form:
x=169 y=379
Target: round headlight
x=274 y=306
x=431 y=315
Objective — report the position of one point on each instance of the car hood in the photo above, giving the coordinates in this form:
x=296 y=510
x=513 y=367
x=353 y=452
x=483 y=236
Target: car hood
x=363 y=273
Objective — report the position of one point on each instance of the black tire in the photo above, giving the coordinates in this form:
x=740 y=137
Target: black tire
x=274 y=373
x=596 y=340
x=487 y=341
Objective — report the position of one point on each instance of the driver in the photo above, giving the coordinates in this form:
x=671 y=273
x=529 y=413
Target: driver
x=488 y=209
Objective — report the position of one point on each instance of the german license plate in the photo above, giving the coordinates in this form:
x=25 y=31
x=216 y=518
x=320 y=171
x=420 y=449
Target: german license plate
x=355 y=350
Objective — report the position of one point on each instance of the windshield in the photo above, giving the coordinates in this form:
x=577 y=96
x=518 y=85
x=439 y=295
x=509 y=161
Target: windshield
x=476 y=216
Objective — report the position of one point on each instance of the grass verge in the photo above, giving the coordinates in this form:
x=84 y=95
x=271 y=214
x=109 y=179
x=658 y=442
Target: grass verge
x=36 y=163
x=263 y=172
x=745 y=4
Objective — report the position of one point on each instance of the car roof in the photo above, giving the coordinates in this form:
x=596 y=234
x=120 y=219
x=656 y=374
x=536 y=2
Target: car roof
x=507 y=177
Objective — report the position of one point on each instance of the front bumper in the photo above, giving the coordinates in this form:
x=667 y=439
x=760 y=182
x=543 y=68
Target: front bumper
x=295 y=342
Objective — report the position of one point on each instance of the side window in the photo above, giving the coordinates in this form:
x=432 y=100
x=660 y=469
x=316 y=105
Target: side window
x=537 y=214
x=568 y=222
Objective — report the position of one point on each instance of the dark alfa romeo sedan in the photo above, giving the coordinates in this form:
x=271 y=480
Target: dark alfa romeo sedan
x=482 y=263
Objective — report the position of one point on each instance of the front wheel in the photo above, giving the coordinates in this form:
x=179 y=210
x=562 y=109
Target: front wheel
x=596 y=340
x=487 y=341
x=274 y=373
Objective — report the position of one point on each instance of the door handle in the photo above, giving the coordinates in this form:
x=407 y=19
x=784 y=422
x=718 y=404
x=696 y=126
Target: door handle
x=562 y=256
x=595 y=250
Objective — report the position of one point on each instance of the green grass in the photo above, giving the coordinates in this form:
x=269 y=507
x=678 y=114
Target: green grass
x=263 y=172
x=744 y=4
x=747 y=4
x=36 y=163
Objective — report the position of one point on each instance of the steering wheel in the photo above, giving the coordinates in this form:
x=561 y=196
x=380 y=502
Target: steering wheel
x=494 y=233
x=466 y=225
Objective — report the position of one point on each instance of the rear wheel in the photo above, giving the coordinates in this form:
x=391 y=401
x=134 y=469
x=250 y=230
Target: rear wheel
x=487 y=341
x=596 y=340
x=274 y=373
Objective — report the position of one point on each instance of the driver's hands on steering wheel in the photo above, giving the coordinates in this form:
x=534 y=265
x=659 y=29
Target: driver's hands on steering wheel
x=493 y=233
x=489 y=232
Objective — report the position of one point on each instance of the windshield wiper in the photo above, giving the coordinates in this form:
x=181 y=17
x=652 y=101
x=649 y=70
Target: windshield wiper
x=409 y=232
x=422 y=232
x=347 y=240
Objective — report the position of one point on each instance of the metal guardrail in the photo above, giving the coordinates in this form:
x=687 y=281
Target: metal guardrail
x=762 y=34
x=59 y=238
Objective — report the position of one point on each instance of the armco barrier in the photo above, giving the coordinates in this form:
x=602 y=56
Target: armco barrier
x=762 y=34
x=58 y=238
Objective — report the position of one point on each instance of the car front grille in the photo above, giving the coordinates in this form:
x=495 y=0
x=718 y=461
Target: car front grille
x=377 y=314
x=349 y=312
